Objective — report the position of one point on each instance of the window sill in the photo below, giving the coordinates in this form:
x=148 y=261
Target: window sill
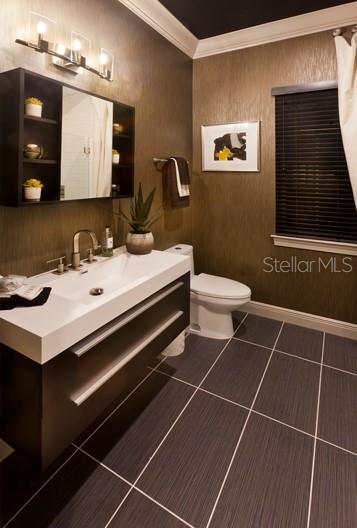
x=323 y=246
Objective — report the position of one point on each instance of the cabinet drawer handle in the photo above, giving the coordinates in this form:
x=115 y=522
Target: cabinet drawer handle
x=78 y=399
x=87 y=343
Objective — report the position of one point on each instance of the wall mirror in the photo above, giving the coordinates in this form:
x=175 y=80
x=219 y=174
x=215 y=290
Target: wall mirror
x=86 y=146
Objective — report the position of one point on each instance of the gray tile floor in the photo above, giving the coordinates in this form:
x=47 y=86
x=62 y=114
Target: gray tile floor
x=256 y=432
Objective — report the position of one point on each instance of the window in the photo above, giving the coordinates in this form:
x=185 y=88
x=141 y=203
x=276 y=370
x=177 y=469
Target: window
x=313 y=191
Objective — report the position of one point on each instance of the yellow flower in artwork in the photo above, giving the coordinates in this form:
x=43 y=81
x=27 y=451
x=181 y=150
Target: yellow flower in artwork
x=225 y=154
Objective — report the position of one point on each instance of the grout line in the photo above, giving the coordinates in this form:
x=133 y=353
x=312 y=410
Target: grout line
x=254 y=411
x=245 y=317
x=158 y=371
x=77 y=448
x=236 y=404
x=299 y=357
x=132 y=486
x=162 y=506
x=242 y=432
x=295 y=356
x=39 y=489
x=223 y=398
x=163 y=359
x=84 y=452
x=204 y=390
x=316 y=430
x=339 y=370
x=251 y=343
x=337 y=447
x=119 y=506
x=172 y=426
x=317 y=363
x=283 y=423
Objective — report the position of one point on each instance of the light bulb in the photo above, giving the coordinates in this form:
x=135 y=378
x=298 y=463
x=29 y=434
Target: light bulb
x=76 y=45
x=103 y=59
x=61 y=49
x=41 y=27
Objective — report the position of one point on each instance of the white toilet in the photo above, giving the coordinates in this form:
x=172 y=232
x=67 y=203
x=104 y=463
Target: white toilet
x=213 y=299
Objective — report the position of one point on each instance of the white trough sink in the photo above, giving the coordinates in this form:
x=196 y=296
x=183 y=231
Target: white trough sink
x=72 y=313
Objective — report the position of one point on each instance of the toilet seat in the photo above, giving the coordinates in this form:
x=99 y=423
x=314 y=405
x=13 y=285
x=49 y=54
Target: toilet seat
x=218 y=287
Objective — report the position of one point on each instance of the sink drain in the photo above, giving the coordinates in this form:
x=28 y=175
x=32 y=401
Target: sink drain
x=96 y=291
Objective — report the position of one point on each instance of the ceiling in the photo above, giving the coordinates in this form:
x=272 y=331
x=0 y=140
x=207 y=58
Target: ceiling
x=208 y=18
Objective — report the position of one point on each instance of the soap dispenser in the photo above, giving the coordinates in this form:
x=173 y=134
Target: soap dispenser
x=107 y=242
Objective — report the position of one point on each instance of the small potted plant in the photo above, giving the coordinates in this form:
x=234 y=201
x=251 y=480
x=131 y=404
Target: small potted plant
x=140 y=240
x=32 y=190
x=33 y=107
x=116 y=157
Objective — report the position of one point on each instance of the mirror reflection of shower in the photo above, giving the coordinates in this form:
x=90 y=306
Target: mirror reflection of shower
x=87 y=142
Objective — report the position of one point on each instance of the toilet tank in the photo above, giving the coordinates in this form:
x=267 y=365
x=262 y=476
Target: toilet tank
x=184 y=249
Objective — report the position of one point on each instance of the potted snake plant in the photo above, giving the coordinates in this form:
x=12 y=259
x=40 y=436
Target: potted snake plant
x=140 y=239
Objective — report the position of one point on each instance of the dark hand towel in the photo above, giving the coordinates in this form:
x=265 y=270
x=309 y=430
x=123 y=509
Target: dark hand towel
x=15 y=301
x=170 y=181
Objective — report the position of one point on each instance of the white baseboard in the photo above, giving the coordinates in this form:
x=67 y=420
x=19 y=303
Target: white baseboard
x=316 y=322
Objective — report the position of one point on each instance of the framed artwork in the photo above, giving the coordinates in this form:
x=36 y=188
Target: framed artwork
x=233 y=147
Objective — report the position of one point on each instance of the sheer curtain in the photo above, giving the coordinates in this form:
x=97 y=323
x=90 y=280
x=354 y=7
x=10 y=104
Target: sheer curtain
x=347 y=97
x=101 y=167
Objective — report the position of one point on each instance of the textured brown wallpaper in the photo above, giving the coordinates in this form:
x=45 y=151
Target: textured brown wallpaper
x=234 y=213
x=150 y=74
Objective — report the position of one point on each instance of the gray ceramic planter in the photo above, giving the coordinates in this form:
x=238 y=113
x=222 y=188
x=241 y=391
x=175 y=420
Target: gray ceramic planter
x=139 y=244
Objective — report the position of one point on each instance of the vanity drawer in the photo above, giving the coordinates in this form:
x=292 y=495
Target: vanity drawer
x=81 y=383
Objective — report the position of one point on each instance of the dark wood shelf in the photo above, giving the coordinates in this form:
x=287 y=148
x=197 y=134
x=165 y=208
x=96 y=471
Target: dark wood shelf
x=123 y=165
x=41 y=120
x=40 y=161
x=119 y=196
x=122 y=136
x=23 y=203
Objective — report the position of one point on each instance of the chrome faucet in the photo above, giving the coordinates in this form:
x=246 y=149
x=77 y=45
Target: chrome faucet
x=76 y=256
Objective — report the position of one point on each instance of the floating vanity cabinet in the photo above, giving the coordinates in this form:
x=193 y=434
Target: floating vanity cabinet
x=45 y=407
x=72 y=130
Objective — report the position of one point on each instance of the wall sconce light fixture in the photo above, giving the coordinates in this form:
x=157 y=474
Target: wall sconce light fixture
x=71 y=59
x=106 y=61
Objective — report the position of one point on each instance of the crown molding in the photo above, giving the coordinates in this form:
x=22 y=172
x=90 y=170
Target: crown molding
x=322 y=20
x=160 y=19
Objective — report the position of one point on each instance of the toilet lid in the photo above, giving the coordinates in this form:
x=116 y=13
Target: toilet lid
x=213 y=286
